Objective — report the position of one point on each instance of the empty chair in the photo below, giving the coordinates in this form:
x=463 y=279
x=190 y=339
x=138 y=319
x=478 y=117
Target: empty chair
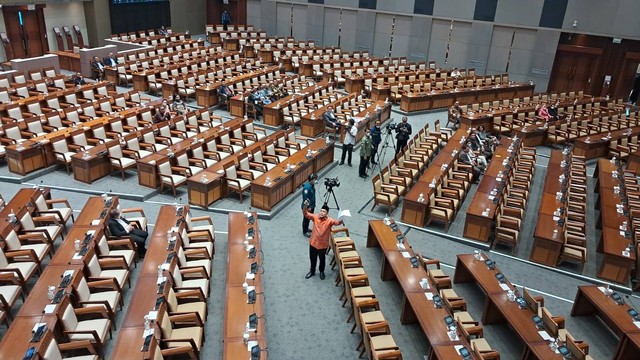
x=235 y=180
x=93 y=330
x=170 y=179
x=22 y=271
x=118 y=160
x=27 y=247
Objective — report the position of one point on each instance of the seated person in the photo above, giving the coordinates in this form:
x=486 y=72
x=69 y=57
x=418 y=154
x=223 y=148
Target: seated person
x=489 y=141
x=179 y=107
x=469 y=158
x=455 y=111
x=553 y=111
x=98 y=69
x=478 y=146
x=224 y=93
x=78 y=79
x=119 y=226
x=110 y=60
x=455 y=73
x=161 y=115
x=330 y=118
x=543 y=112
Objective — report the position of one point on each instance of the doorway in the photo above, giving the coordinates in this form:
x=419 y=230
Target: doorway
x=26 y=30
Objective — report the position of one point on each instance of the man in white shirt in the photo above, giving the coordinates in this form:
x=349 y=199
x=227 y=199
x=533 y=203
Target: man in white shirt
x=349 y=141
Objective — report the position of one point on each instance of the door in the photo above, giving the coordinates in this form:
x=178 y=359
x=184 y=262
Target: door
x=574 y=69
x=630 y=68
x=26 y=30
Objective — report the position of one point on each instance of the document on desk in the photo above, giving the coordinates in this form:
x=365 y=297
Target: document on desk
x=545 y=336
x=505 y=287
x=49 y=309
x=429 y=295
x=405 y=254
x=637 y=323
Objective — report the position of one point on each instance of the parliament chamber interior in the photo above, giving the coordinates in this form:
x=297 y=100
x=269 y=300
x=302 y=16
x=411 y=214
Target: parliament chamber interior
x=478 y=161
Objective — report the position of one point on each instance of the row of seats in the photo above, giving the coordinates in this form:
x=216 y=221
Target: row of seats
x=376 y=339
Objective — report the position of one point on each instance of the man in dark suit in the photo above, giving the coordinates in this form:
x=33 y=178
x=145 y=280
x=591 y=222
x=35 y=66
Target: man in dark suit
x=98 y=69
x=119 y=226
x=110 y=60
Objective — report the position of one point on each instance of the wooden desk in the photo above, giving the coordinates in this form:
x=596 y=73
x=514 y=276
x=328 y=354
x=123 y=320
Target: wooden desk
x=93 y=167
x=236 y=105
x=415 y=305
x=68 y=60
x=478 y=224
x=614 y=266
x=595 y=146
x=282 y=183
x=414 y=211
x=145 y=292
x=15 y=341
x=23 y=160
x=628 y=348
x=237 y=310
x=499 y=309
x=547 y=247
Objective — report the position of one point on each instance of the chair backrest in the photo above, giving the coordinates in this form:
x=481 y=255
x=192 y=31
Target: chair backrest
x=83 y=289
x=103 y=246
x=182 y=160
x=27 y=222
x=12 y=240
x=60 y=146
x=53 y=352
x=94 y=266
x=165 y=168
x=69 y=319
x=230 y=172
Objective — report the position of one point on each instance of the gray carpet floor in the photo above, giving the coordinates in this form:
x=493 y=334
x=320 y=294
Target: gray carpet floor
x=304 y=318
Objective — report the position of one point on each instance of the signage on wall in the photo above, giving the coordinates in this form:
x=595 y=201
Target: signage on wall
x=617 y=40
x=31 y=6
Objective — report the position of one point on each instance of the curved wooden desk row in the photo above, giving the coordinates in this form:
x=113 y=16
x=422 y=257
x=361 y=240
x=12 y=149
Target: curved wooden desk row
x=597 y=145
x=547 y=247
x=237 y=310
x=615 y=266
x=273 y=113
x=499 y=309
x=445 y=98
x=478 y=223
x=36 y=153
x=416 y=306
x=23 y=201
x=207 y=95
x=287 y=52
x=380 y=79
x=591 y=300
x=15 y=342
x=415 y=212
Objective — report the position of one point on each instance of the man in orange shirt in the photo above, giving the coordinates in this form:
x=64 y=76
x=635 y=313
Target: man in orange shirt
x=319 y=241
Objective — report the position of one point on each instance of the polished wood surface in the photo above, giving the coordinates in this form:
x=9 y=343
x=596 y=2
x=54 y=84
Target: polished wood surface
x=237 y=310
x=614 y=265
x=547 y=247
x=478 y=223
x=415 y=305
x=266 y=196
x=499 y=309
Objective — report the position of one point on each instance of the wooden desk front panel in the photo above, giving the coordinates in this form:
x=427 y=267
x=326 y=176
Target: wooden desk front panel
x=26 y=160
x=236 y=106
x=91 y=169
x=206 y=96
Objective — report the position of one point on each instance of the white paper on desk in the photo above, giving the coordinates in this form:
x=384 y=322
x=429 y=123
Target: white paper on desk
x=147 y=333
x=429 y=295
x=90 y=232
x=505 y=287
x=249 y=288
x=458 y=347
x=37 y=325
x=161 y=279
x=251 y=344
x=405 y=254
x=400 y=246
x=49 y=308
x=602 y=288
x=545 y=335
x=165 y=266
x=68 y=272
x=344 y=213
x=637 y=323
x=95 y=222
x=621 y=232
x=153 y=315
x=77 y=256
x=250 y=276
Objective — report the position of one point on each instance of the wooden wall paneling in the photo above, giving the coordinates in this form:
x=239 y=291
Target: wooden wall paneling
x=236 y=8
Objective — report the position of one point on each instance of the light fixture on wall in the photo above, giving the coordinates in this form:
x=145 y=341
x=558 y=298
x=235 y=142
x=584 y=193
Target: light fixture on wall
x=574 y=26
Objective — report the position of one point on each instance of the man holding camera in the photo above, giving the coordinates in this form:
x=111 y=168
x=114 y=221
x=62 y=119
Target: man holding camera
x=319 y=241
x=403 y=130
x=349 y=141
x=309 y=196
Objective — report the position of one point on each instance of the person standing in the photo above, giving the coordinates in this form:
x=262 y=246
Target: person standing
x=309 y=196
x=226 y=19
x=319 y=241
x=403 y=130
x=376 y=139
x=365 y=154
x=119 y=226
x=349 y=141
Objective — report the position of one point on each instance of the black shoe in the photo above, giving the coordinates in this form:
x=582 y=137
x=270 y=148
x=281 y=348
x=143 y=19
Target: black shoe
x=341 y=163
x=307 y=234
x=349 y=165
x=310 y=274
x=321 y=275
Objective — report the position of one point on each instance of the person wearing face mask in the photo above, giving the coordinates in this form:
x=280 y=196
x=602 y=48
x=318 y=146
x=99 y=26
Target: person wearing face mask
x=319 y=241
x=119 y=226
x=309 y=195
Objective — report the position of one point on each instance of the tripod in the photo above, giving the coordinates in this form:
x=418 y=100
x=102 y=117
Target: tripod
x=382 y=150
x=327 y=196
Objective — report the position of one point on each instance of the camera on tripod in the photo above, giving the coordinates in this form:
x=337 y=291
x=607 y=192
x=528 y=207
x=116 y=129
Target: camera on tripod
x=392 y=126
x=330 y=183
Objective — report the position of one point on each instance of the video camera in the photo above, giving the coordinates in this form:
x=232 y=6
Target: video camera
x=391 y=126
x=331 y=182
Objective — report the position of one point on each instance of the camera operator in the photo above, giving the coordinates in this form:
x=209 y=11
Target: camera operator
x=376 y=139
x=309 y=197
x=349 y=141
x=403 y=130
